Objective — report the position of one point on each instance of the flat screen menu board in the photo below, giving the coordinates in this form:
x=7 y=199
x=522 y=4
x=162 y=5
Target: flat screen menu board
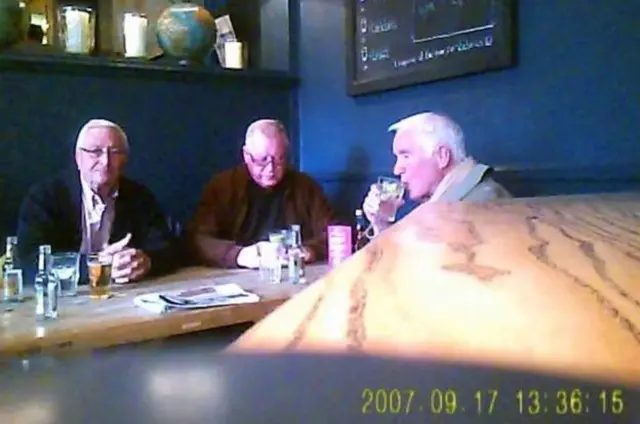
x=394 y=43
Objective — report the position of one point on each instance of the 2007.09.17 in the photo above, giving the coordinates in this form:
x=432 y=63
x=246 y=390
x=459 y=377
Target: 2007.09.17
x=436 y=401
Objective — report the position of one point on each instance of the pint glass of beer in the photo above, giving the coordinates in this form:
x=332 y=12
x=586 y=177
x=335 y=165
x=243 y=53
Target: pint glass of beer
x=99 y=267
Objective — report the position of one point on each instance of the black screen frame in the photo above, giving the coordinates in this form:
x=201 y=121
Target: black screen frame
x=504 y=58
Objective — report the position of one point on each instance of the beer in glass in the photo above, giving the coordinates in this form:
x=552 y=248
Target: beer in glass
x=99 y=269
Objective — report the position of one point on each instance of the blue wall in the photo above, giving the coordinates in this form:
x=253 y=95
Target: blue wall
x=566 y=119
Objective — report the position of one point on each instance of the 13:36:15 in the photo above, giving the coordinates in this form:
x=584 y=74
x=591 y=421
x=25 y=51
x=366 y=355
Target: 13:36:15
x=570 y=402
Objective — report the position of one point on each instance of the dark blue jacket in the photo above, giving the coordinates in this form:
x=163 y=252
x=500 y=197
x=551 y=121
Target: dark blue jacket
x=51 y=213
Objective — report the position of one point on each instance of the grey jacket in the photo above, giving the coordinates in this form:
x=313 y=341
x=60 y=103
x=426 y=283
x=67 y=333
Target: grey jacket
x=476 y=186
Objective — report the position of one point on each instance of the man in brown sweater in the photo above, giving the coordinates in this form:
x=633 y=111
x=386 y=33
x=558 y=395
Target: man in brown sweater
x=240 y=206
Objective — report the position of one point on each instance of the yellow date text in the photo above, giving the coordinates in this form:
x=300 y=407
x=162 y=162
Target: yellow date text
x=436 y=401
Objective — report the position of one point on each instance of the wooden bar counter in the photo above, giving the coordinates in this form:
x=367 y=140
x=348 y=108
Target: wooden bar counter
x=549 y=285
x=86 y=323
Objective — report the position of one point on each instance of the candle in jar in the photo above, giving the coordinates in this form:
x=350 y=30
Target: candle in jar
x=234 y=52
x=77 y=37
x=135 y=35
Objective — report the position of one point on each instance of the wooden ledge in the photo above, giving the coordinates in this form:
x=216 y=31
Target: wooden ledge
x=163 y=69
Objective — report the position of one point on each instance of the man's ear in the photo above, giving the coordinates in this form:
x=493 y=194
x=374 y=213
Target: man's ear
x=245 y=155
x=443 y=157
x=76 y=157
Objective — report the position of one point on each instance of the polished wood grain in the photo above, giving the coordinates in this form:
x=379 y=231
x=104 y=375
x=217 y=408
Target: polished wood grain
x=542 y=284
x=86 y=323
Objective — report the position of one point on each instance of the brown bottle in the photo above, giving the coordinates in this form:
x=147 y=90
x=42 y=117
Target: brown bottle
x=360 y=233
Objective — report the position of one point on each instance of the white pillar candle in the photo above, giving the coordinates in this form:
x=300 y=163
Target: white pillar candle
x=234 y=54
x=135 y=35
x=78 y=31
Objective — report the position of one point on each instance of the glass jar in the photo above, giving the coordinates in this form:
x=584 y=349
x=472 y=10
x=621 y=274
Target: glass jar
x=76 y=29
x=134 y=32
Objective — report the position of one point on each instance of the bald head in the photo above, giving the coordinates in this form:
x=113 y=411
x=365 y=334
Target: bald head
x=265 y=151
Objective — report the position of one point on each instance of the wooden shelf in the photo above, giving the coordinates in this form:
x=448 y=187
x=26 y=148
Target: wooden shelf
x=163 y=68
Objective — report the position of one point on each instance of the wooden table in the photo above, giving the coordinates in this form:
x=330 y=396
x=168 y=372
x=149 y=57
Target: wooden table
x=547 y=285
x=85 y=323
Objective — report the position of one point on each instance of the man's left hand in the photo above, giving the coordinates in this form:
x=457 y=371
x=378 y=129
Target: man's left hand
x=308 y=254
x=129 y=265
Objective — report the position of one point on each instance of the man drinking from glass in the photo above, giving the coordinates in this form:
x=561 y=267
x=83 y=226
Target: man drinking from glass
x=433 y=166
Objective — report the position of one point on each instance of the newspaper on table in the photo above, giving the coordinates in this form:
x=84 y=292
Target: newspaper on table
x=195 y=298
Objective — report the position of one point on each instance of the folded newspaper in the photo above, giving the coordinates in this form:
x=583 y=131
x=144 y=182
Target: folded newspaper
x=195 y=298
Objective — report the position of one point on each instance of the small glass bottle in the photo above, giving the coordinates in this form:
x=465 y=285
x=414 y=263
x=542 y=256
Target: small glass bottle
x=11 y=273
x=46 y=286
x=296 y=257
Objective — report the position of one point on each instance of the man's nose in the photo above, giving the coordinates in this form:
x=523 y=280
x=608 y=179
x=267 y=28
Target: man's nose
x=398 y=170
x=105 y=158
x=270 y=166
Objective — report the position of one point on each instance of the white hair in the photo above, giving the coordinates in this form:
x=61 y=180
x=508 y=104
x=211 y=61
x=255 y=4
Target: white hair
x=263 y=125
x=433 y=130
x=101 y=123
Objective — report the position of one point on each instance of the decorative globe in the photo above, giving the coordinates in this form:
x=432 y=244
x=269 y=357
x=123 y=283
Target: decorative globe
x=186 y=31
x=14 y=22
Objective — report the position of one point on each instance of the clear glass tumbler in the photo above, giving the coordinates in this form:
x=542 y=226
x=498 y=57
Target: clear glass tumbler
x=66 y=266
x=271 y=258
x=391 y=193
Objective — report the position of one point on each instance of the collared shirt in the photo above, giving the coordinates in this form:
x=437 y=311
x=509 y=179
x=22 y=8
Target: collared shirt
x=97 y=219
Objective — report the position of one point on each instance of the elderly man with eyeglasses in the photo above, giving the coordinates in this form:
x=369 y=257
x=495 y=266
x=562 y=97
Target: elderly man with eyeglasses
x=240 y=206
x=96 y=209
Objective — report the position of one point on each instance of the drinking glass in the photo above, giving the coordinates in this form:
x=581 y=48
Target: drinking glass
x=280 y=239
x=66 y=266
x=270 y=258
x=99 y=267
x=391 y=192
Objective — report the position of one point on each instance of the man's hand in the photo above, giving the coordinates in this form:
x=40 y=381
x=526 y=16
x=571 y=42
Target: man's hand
x=371 y=209
x=308 y=254
x=374 y=208
x=249 y=257
x=116 y=247
x=129 y=265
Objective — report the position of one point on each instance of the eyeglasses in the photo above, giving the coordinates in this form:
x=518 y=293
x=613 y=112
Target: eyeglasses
x=107 y=150
x=264 y=161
